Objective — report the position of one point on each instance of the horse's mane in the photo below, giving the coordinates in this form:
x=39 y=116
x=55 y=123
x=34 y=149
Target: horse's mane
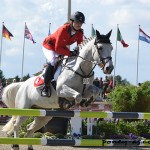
x=72 y=60
x=84 y=43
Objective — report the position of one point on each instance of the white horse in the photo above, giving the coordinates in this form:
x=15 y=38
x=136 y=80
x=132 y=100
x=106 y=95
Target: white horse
x=71 y=86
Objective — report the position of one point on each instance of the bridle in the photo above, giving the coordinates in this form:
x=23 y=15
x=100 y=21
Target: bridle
x=91 y=72
x=101 y=59
x=101 y=64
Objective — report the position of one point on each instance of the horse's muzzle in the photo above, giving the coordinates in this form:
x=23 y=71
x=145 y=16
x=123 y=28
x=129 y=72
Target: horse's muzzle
x=108 y=70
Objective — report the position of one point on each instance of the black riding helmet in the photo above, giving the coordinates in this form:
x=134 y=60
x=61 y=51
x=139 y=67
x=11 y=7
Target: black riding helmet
x=78 y=16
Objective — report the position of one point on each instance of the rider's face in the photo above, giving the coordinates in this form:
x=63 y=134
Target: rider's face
x=77 y=25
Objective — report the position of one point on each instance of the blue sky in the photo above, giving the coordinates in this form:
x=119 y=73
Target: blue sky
x=103 y=14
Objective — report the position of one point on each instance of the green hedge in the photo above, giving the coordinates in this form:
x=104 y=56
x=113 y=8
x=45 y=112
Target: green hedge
x=131 y=98
x=122 y=129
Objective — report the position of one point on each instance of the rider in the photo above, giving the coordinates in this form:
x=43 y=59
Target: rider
x=58 y=43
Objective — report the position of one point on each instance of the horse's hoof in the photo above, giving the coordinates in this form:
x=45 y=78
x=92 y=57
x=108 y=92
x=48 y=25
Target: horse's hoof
x=14 y=147
x=30 y=148
x=87 y=104
x=82 y=103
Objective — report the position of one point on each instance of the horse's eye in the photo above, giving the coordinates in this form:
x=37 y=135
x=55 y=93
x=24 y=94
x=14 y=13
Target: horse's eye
x=99 y=46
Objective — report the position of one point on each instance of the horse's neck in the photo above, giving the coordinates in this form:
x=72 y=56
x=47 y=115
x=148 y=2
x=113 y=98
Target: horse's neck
x=86 y=67
x=84 y=60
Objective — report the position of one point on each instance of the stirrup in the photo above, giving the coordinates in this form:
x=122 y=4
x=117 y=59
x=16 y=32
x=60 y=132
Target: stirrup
x=47 y=93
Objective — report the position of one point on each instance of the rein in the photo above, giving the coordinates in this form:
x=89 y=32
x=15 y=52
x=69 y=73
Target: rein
x=91 y=73
x=83 y=76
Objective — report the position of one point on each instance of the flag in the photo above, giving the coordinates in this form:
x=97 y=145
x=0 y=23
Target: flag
x=119 y=38
x=93 y=31
x=6 y=33
x=143 y=36
x=28 y=35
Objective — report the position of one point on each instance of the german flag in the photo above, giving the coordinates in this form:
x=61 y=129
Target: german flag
x=6 y=33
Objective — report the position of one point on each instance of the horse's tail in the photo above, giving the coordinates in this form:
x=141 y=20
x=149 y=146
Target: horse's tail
x=9 y=127
x=9 y=94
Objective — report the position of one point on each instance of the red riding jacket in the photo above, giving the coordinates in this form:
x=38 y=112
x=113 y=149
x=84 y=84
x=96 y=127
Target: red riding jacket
x=59 y=40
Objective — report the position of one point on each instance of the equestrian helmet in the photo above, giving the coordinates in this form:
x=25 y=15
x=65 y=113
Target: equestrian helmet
x=78 y=16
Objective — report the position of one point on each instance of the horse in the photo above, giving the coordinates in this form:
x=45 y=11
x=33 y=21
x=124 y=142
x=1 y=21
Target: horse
x=73 y=84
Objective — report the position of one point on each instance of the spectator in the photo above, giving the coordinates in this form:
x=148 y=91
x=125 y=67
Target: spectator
x=1 y=88
x=111 y=83
x=6 y=82
x=139 y=84
x=105 y=86
x=96 y=82
x=101 y=85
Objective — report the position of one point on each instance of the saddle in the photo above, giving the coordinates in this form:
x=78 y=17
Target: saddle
x=39 y=81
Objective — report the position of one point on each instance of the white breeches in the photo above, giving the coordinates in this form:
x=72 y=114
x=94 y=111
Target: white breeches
x=51 y=58
x=50 y=55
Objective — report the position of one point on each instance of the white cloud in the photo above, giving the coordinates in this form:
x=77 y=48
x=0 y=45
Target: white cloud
x=120 y=16
x=11 y=52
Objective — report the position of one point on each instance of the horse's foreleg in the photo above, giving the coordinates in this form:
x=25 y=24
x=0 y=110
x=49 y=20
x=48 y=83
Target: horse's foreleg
x=17 y=124
x=91 y=93
x=69 y=93
x=37 y=124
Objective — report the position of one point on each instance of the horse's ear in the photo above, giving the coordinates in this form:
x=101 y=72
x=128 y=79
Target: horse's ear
x=109 y=34
x=97 y=33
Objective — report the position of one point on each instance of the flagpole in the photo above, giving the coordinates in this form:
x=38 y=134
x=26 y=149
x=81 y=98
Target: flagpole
x=23 y=54
x=115 y=59
x=138 y=60
x=49 y=29
x=69 y=9
x=1 y=45
x=92 y=30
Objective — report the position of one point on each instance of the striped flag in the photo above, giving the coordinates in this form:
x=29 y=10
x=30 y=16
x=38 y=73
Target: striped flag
x=143 y=36
x=6 y=33
x=28 y=35
x=119 y=38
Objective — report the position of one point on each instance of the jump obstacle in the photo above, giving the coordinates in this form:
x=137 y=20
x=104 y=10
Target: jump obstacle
x=75 y=142
x=75 y=113
x=78 y=115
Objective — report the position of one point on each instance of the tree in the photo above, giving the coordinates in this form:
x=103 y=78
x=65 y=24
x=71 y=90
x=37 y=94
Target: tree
x=120 y=81
x=17 y=78
x=26 y=77
x=2 y=77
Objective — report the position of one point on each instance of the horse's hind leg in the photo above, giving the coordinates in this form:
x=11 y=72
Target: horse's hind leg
x=17 y=124
x=37 y=124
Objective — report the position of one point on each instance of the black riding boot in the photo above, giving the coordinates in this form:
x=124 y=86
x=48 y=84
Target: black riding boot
x=46 y=92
